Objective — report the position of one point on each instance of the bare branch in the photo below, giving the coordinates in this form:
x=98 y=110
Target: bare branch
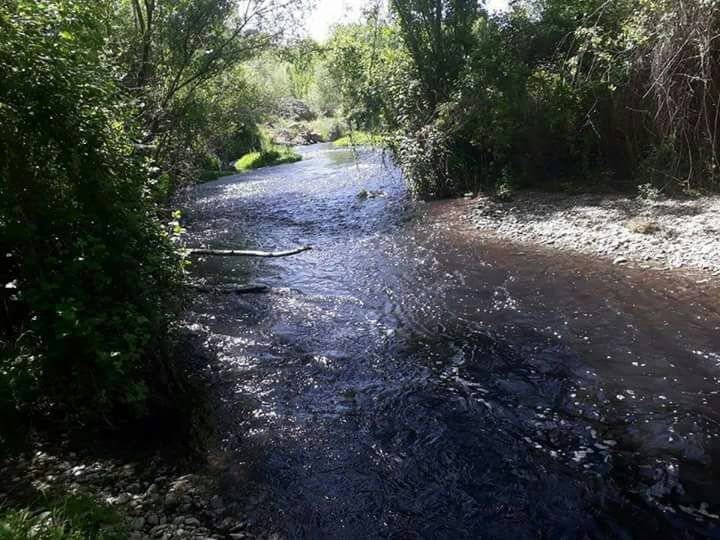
x=246 y=253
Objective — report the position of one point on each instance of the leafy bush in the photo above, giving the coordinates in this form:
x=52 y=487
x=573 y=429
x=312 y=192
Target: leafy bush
x=359 y=138
x=269 y=157
x=69 y=518
x=87 y=269
x=548 y=93
x=266 y=154
x=209 y=176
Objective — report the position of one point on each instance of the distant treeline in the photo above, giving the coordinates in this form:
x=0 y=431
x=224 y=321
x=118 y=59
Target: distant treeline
x=550 y=93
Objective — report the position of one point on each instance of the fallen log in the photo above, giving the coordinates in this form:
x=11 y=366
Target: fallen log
x=230 y=289
x=246 y=253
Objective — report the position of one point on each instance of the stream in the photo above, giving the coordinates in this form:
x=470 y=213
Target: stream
x=410 y=378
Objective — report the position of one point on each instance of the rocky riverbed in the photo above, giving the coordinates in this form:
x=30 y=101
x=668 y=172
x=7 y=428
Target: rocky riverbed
x=658 y=233
x=158 y=499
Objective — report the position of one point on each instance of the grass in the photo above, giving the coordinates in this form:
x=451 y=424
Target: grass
x=359 y=138
x=209 y=176
x=274 y=155
x=68 y=518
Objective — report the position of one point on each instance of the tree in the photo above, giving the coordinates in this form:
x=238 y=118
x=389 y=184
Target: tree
x=438 y=36
x=172 y=49
x=88 y=271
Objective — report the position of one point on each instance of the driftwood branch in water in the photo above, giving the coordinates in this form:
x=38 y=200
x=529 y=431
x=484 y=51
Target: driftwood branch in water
x=231 y=289
x=246 y=253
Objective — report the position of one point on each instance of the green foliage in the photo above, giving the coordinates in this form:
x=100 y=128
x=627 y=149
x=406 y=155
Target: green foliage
x=298 y=71
x=300 y=59
x=181 y=61
x=87 y=269
x=365 y=65
x=548 y=93
x=330 y=128
x=359 y=138
x=438 y=36
x=69 y=518
x=276 y=155
x=209 y=176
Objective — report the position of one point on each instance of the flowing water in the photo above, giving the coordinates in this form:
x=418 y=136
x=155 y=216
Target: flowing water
x=409 y=378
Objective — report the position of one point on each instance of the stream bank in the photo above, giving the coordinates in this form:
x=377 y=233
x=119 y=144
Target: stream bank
x=661 y=233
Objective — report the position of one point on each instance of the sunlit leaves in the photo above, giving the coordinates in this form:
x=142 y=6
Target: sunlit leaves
x=95 y=271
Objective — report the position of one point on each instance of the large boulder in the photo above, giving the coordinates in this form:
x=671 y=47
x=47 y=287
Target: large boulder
x=296 y=110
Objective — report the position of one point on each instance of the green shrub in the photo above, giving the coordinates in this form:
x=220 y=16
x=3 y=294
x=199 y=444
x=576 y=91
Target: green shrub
x=548 y=93
x=329 y=128
x=87 y=270
x=359 y=138
x=69 y=518
x=209 y=176
x=269 y=157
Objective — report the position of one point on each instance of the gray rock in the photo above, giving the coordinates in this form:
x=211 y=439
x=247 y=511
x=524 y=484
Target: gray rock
x=123 y=498
x=296 y=110
x=158 y=531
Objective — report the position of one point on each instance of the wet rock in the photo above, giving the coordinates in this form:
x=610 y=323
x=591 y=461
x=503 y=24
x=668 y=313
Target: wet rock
x=370 y=194
x=172 y=500
x=151 y=499
x=226 y=524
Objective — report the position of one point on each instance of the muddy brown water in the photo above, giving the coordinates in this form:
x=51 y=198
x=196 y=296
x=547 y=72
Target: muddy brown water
x=409 y=378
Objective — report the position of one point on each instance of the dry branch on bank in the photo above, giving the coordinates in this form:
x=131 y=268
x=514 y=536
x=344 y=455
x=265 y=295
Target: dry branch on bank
x=246 y=253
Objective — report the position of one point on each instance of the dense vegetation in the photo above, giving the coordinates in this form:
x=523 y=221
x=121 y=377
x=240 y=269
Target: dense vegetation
x=105 y=107
x=65 y=518
x=550 y=93
x=276 y=155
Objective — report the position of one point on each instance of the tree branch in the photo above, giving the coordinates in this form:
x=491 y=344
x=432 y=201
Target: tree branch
x=246 y=253
x=230 y=289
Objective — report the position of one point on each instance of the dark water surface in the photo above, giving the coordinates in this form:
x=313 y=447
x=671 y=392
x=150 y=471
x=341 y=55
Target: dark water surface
x=409 y=379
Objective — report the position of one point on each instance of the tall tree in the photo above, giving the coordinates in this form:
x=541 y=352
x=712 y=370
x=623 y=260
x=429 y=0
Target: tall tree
x=438 y=35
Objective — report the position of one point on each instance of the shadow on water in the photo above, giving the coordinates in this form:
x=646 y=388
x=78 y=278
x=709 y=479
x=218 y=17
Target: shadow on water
x=408 y=379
